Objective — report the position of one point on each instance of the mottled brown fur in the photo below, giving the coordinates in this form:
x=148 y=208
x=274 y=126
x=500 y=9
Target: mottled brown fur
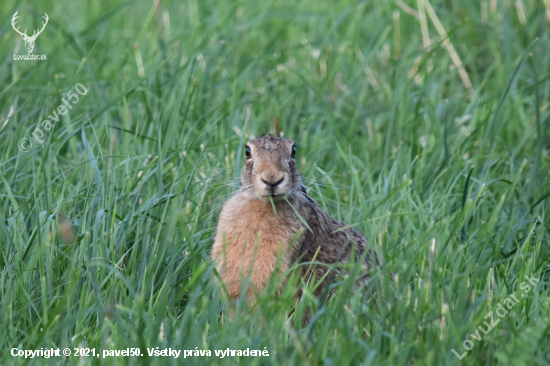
x=254 y=235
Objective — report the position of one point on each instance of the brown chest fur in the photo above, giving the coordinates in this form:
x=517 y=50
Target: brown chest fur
x=254 y=236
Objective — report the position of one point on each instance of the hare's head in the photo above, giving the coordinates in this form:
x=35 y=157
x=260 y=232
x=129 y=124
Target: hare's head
x=270 y=168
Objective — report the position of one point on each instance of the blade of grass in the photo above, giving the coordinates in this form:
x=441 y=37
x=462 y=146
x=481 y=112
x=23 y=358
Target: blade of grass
x=299 y=216
x=273 y=205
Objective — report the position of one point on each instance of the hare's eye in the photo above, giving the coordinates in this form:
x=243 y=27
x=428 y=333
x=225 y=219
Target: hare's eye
x=293 y=151
x=248 y=152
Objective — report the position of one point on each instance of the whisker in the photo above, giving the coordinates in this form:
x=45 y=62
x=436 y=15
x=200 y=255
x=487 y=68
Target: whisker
x=223 y=203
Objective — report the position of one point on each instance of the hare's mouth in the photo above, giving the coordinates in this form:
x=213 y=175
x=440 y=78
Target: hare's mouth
x=275 y=194
x=271 y=194
x=275 y=197
x=272 y=186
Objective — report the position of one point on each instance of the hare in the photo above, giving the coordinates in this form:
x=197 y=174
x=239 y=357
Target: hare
x=263 y=220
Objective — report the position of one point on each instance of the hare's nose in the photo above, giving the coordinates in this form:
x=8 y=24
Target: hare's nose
x=272 y=183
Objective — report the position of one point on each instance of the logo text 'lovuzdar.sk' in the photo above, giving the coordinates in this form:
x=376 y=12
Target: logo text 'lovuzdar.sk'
x=29 y=40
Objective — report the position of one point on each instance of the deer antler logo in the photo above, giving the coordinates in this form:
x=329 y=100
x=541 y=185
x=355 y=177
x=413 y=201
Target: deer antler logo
x=29 y=41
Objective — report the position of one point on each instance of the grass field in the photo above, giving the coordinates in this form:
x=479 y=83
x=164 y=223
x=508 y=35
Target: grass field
x=436 y=148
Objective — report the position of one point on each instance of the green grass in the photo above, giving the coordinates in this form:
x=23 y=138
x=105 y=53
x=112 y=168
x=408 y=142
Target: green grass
x=450 y=186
